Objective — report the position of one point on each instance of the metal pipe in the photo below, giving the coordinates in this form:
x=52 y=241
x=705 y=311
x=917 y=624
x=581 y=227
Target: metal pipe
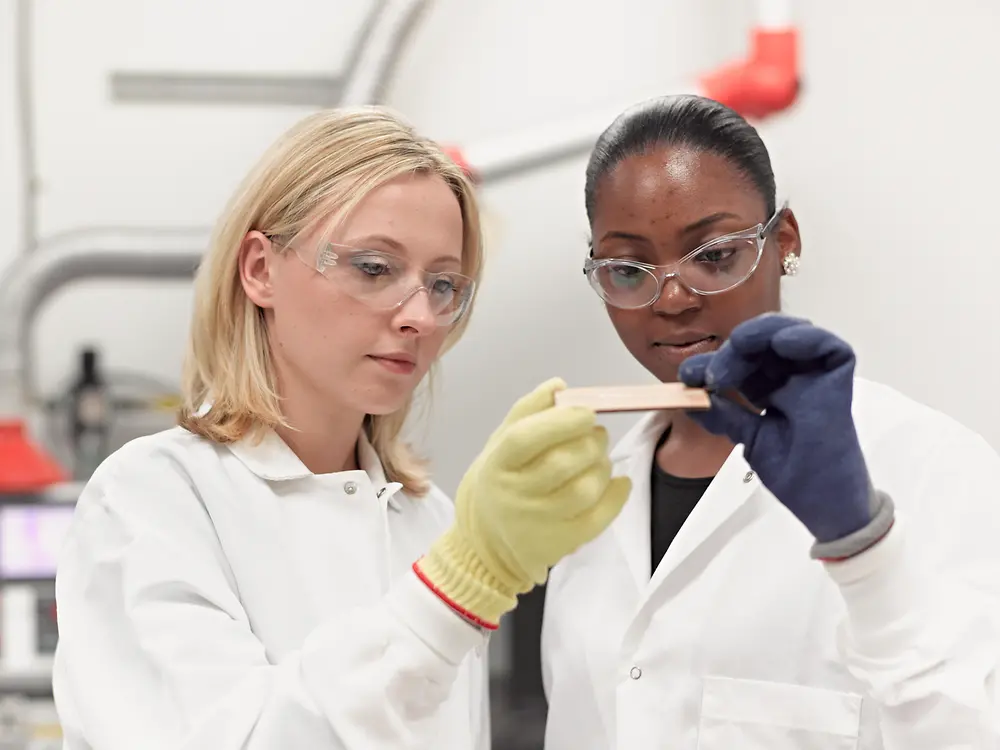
x=379 y=49
x=33 y=279
x=101 y=234
x=24 y=65
x=533 y=149
x=216 y=89
x=512 y=156
x=362 y=39
x=775 y=14
x=371 y=63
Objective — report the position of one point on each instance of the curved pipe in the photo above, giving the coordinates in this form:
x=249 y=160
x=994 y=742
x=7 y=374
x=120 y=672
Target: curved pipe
x=505 y=157
x=765 y=83
x=34 y=278
x=380 y=46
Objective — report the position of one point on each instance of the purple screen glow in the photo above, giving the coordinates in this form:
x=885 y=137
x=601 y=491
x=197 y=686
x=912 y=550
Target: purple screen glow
x=30 y=539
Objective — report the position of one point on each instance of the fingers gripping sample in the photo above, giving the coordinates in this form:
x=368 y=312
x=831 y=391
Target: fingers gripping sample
x=654 y=397
x=540 y=489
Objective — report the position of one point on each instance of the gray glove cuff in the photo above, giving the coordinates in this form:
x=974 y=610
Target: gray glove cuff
x=883 y=515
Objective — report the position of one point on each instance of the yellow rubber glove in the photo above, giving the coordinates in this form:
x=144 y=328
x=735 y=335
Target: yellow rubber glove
x=541 y=487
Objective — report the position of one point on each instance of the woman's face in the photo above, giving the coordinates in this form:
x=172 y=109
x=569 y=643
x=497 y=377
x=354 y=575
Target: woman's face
x=656 y=208
x=339 y=353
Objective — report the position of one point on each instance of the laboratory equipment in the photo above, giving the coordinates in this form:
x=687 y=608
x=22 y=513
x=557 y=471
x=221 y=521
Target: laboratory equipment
x=32 y=528
x=89 y=417
x=28 y=283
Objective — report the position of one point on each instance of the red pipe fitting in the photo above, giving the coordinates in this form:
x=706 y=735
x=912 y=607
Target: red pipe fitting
x=455 y=154
x=765 y=83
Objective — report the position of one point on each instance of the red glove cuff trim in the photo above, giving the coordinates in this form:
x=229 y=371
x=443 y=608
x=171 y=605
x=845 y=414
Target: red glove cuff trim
x=475 y=619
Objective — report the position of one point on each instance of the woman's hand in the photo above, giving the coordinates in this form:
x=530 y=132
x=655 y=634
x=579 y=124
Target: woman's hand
x=804 y=447
x=541 y=488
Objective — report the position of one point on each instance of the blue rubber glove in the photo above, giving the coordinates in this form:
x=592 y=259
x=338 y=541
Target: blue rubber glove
x=804 y=447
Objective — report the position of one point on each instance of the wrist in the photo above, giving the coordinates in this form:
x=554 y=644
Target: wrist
x=457 y=575
x=890 y=596
x=416 y=607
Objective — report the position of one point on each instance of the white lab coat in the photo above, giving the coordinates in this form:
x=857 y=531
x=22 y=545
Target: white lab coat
x=740 y=641
x=225 y=598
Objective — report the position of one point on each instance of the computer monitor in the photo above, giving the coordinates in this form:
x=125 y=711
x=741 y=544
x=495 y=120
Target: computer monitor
x=31 y=536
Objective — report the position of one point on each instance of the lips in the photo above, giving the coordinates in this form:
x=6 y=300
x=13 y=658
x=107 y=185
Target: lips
x=676 y=349
x=686 y=340
x=399 y=364
x=405 y=359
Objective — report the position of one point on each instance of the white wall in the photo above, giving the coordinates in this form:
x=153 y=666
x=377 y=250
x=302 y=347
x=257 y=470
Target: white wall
x=888 y=159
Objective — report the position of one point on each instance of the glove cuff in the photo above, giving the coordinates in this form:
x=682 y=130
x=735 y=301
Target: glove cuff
x=453 y=571
x=883 y=517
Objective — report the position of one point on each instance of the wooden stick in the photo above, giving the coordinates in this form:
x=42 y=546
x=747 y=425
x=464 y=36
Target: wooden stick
x=656 y=397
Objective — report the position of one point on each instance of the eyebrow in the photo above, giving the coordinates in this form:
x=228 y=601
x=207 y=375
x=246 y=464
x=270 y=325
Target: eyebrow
x=697 y=226
x=708 y=221
x=381 y=238
x=399 y=247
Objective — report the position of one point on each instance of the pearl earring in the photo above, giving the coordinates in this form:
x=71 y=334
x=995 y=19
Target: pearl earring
x=791 y=264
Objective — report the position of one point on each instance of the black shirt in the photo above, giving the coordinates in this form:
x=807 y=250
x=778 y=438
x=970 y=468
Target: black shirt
x=671 y=501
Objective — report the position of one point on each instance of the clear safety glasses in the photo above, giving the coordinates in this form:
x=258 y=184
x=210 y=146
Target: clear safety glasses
x=385 y=281
x=715 y=267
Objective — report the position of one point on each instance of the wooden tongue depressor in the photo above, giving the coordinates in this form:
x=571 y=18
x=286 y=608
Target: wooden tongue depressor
x=654 y=397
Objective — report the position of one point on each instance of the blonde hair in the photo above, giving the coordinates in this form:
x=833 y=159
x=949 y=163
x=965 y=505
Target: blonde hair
x=320 y=169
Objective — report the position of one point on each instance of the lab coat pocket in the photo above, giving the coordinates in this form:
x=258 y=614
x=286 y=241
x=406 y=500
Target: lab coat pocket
x=754 y=715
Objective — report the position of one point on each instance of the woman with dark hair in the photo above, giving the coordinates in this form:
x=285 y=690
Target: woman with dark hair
x=813 y=562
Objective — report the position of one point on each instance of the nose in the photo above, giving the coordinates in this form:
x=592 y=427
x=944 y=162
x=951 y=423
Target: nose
x=675 y=298
x=415 y=315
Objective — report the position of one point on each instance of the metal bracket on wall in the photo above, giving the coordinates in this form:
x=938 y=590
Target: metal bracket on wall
x=373 y=58
x=217 y=88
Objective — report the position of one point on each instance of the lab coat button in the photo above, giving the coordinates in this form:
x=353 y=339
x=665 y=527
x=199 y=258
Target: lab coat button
x=350 y=488
x=748 y=477
x=635 y=673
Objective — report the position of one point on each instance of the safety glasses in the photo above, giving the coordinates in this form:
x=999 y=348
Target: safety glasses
x=385 y=281
x=713 y=268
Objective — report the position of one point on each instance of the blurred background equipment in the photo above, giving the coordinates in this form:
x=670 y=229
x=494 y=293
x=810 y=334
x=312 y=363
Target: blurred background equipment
x=88 y=417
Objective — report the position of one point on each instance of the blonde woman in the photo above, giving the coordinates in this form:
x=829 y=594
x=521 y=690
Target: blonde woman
x=277 y=571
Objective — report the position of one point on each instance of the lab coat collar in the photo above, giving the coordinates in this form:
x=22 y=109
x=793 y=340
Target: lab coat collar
x=273 y=460
x=633 y=457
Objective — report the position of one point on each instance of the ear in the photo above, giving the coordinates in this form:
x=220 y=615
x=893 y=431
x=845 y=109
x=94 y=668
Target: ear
x=788 y=236
x=256 y=260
